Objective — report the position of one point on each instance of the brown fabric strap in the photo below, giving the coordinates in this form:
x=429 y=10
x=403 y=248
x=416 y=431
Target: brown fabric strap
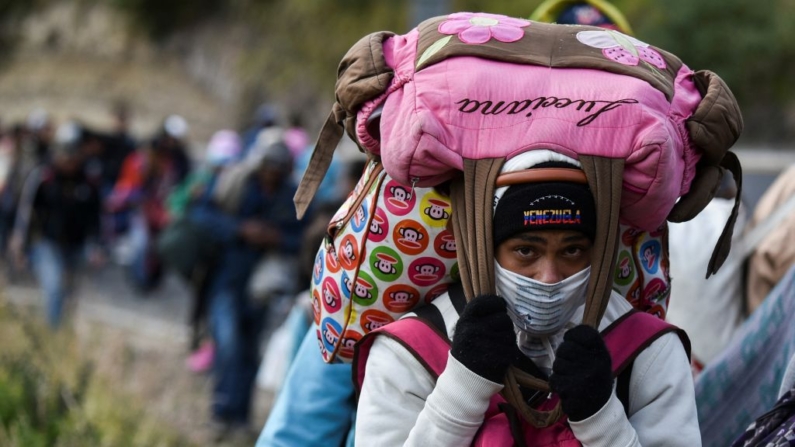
x=605 y=177
x=327 y=141
x=512 y=393
x=541 y=175
x=723 y=246
x=702 y=190
x=473 y=197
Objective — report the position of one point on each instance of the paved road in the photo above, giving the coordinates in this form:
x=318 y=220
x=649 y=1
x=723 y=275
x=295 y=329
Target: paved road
x=104 y=296
x=144 y=341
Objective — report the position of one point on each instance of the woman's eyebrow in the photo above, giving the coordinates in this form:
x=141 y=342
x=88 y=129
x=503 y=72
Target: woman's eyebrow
x=527 y=237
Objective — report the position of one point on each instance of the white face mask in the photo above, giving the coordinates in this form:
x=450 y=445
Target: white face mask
x=537 y=308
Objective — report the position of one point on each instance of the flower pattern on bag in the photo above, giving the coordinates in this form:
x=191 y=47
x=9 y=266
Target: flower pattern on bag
x=622 y=48
x=479 y=28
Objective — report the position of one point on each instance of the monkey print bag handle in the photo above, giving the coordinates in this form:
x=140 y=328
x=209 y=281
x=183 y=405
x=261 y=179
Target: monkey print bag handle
x=387 y=251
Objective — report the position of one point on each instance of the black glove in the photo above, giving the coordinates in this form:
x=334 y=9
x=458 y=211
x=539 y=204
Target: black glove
x=582 y=375
x=484 y=339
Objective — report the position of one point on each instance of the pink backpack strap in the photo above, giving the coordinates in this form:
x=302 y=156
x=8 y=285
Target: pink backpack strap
x=426 y=344
x=633 y=332
x=625 y=338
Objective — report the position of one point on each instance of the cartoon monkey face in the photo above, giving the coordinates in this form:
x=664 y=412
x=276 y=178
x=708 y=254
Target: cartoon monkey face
x=348 y=283
x=385 y=267
x=648 y=256
x=359 y=216
x=348 y=343
x=318 y=268
x=331 y=337
x=401 y=296
x=375 y=226
x=449 y=246
x=329 y=297
x=347 y=251
x=437 y=212
x=427 y=269
x=625 y=270
x=374 y=325
x=399 y=193
x=411 y=234
x=316 y=306
x=362 y=291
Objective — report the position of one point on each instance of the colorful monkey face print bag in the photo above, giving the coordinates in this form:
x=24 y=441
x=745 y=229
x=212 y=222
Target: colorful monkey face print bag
x=387 y=251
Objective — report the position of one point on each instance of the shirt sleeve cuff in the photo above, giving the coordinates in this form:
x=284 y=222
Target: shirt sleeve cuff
x=607 y=427
x=461 y=395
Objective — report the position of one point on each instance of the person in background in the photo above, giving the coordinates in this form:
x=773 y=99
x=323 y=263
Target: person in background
x=316 y=404
x=27 y=147
x=107 y=151
x=148 y=176
x=599 y=13
x=295 y=136
x=262 y=224
x=775 y=253
x=36 y=141
x=265 y=117
x=11 y=182
x=709 y=310
x=223 y=150
x=58 y=218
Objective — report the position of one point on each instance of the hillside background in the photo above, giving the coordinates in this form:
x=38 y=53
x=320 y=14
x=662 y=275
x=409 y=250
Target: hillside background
x=214 y=61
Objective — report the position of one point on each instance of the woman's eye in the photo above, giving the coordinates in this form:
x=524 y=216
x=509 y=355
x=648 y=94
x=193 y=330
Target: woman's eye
x=524 y=251
x=573 y=251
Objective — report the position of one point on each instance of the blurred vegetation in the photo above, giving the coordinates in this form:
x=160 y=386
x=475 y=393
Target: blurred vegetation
x=751 y=45
x=294 y=46
x=160 y=18
x=51 y=396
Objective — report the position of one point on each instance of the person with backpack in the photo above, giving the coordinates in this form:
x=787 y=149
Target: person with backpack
x=190 y=249
x=473 y=101
x=261 y=224
x=58 y=218
x=543 y=244
x=138 y=201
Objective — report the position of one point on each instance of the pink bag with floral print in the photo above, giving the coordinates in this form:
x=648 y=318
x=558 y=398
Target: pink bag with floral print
x=473 y=86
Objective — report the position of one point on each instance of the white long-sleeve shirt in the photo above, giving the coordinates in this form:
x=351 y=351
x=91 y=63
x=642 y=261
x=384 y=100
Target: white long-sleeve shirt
x=401 y=404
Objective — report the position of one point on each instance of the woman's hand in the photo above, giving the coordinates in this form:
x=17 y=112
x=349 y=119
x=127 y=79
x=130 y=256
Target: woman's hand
x=484 y=340
x=582 y=373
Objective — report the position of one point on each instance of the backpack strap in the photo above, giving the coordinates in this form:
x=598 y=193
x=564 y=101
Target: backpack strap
x=633 y=332
x=625 y=338
x=433 y=316
x=426 y=343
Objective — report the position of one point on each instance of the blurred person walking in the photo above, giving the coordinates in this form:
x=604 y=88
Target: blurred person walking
x=139 y=198
x=261 y=226
x=710 y=310
x=58 y=218
x=295 y=136
x=25 y=147
x=107 y=151
x=189 y=248
x=773 y=256
x=10 y=181
x=265 y=117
